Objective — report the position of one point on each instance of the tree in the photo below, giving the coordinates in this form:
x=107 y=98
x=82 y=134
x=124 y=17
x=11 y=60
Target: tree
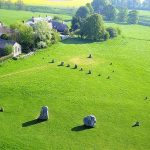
x=8 y=3
x=99 y=5
x=93 y=27
x=112 y=32
x=55 y=37
x=110 y=12
x=146 y=4
x=83 y=12
x=5 y=37
x=122 y=15
x=19 y=5
x=42 y=32
x=24 y=35
x=133 y=17
x=89 y=6
x=7 y=50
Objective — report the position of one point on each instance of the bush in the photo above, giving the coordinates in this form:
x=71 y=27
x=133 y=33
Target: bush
x=106 y=35
x=41 y=44
x=55 y=37
x=118 y=31
x=6 y=51
x=5 y=36
x=57 y=18
x=112 y=32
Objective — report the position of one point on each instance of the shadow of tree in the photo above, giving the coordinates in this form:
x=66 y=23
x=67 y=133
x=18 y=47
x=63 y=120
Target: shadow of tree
x=80 y=128
x=32 y=122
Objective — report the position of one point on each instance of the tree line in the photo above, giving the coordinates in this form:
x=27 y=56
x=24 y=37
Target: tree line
x=19 y=5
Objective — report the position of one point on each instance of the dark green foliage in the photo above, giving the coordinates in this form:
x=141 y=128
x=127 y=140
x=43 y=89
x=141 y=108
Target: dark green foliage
x=57 y=18
x=110 y=13
x=99 y=5
x=89 y=6
x=112 y=32
x=24 y=35
x=5 y=36
x=6 y=51
x=55 y=37
x=75 y=23
x=83 y=12
x=133 y=17
x=93 y=27
x=122 y=15
x=106 y=35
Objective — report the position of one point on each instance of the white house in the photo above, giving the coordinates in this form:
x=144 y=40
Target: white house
x=16 y=47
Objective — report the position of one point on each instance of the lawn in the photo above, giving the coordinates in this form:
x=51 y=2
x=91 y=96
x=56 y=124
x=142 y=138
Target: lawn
x=11 y=16
x=118 y=102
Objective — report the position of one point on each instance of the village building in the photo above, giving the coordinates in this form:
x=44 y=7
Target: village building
x=16 y=47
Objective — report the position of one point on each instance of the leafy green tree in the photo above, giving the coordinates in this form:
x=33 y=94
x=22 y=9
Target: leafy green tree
x=24 y=35
x=42 y=32
x=112 y=32
x=93 y=27
x=133 y=17
x=99 y=5
x=5 y=37
x=83 y=12
x=122 y=15
x=7 y=50
x=55 y=37
x=110 y=13
x=89 y=6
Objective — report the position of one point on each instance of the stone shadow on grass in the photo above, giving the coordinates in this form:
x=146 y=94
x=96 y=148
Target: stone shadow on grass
x=80 y=128
x=32 y=122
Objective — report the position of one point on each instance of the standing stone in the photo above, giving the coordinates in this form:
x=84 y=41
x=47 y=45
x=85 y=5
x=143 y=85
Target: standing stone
x=75 y=66
x=90 y=56
x=61 y=64
x=44 y=113
x=90 y=72
x=89 y=121
x=53 y=61
x=1 y=109
x=68 y=65
x=81 y=69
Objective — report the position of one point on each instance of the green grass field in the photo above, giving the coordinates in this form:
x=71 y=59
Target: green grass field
x=118 y=102
x=11 y=16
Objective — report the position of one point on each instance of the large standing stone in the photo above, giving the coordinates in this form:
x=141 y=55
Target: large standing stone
x=44 y=113
x=89 y=121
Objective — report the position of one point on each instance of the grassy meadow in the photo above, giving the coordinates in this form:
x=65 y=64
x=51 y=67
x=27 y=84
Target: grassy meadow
x=12 y=16
x=118 y=102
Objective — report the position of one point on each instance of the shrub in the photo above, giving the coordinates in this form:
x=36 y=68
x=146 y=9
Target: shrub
x=5 y=36
x=41 y=44
x=57 y=18
x=112 y=32
x=106 y=35
x=6 y=51
x=118 y=31
x=55 y=37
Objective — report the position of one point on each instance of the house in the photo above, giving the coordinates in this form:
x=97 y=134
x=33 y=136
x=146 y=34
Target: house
x=15 y=45
x=35 y=20
x=59 y=26
x=4 y=30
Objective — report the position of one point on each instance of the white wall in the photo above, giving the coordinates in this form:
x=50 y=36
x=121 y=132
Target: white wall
x=16 y=49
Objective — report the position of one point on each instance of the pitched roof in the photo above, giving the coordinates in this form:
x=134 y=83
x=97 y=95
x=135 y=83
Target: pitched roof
x=3 y=43
x=4 y=30
x=60 y=27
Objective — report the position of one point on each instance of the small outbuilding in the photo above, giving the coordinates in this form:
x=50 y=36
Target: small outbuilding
x=16 y=46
